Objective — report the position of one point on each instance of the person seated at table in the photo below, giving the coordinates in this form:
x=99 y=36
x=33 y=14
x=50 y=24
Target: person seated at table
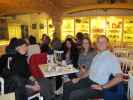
x=103 y=66
x=79 y=38
x=33 y=47
x=45 y=46
x=87 y=53
x=70 y=54
x=25 y=83
x=56 y=43
x=10 y=49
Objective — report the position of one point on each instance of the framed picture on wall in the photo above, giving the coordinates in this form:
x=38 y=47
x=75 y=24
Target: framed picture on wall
x=34 y=26
x=41 y=26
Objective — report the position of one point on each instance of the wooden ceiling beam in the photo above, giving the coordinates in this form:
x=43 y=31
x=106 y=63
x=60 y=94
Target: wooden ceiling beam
x=99 y=6
x=29 y=5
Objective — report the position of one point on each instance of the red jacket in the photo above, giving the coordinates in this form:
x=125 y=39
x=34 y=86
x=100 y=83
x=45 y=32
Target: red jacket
x=34 y=63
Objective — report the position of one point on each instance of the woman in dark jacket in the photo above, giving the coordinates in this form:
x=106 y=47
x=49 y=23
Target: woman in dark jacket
x=70 y=52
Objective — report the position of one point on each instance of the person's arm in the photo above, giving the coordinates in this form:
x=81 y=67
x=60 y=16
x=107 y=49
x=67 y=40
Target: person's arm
x=83 y=74
x=116 y=80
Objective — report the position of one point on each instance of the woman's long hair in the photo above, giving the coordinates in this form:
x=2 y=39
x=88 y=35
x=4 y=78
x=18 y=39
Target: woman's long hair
x=90 y=45
x=73 y=48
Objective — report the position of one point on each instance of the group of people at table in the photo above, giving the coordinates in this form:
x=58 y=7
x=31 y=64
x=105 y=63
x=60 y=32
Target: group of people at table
x=96 y=64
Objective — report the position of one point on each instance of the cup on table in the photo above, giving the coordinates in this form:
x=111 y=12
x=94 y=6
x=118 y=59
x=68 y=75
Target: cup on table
x=64 y=63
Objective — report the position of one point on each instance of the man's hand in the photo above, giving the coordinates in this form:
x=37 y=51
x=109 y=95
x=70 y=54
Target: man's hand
x=96 y=87
x=75 y=80
x=36 y=87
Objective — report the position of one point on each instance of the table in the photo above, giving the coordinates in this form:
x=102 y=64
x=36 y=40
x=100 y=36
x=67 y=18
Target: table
x=58 y=70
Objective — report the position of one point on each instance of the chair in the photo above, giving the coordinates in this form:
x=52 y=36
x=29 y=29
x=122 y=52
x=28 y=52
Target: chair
x=57 y=56
x=34 y=62
x=126 y=66
x=3 y=96
x=114 y=93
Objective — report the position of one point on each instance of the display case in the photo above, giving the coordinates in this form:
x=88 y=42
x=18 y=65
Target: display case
x=82 y=24
x=67 y=27
x=98 y=26
x=114 y=28
x=128 y=30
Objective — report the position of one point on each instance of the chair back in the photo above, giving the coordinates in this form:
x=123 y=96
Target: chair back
x=114 y=93
x=3 y=96
x=126 y=66
x=34 y=63
x=58 y=56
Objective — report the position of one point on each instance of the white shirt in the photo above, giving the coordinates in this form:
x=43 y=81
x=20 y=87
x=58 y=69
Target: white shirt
x=103 y=65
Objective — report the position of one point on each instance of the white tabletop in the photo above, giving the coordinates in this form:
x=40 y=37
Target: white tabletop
x=59 y=70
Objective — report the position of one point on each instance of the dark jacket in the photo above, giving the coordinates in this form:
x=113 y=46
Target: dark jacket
x=73 y=56
x=19 y=66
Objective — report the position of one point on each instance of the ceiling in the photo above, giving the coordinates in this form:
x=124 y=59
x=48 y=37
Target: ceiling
x=56 y=7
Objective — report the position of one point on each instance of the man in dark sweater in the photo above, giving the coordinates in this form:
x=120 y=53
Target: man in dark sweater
x=21 y=76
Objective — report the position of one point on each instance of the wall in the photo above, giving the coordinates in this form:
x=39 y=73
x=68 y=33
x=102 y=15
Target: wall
x=14 y=25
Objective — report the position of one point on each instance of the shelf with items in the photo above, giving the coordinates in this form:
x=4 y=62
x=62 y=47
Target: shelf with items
x=114 y=28
x=82 y=24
